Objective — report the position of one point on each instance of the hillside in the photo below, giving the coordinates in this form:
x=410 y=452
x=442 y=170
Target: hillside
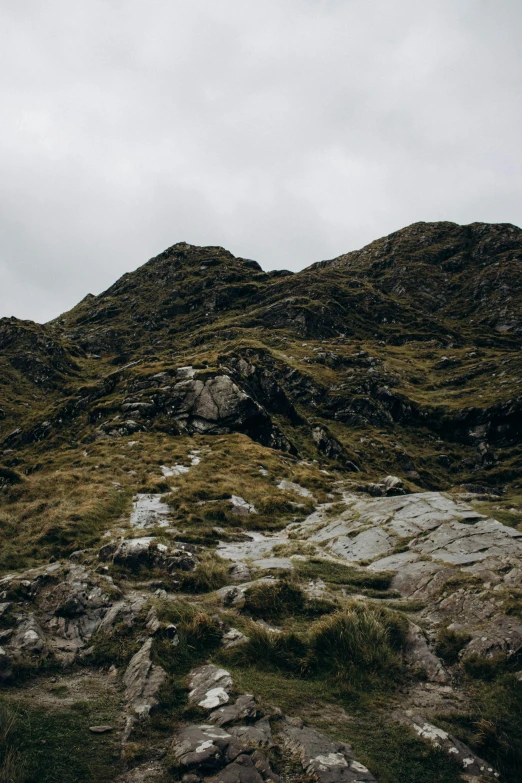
x=312 y=481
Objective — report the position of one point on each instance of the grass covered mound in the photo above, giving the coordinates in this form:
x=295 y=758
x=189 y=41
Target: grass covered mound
x=357 y=647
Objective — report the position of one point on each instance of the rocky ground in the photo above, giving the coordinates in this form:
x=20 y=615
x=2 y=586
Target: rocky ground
x=444 y=565
x=268 y=526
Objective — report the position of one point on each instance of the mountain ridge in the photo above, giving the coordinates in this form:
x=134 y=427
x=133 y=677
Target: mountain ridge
x=207 y=308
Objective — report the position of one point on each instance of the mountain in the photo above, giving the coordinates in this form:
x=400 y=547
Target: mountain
x=414 y=340
x=205 y=448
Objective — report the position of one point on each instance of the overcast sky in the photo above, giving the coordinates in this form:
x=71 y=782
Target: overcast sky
x=287 y=131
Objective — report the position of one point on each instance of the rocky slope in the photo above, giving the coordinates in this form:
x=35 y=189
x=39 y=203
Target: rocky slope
x=267 y=526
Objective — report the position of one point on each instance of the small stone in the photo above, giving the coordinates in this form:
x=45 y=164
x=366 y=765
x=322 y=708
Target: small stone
x=100 y=729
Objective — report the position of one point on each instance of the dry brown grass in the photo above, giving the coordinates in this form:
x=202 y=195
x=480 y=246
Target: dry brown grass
x=72 y=496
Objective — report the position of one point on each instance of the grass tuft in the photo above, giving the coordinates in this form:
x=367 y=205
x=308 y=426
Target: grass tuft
x=12 y=767
x=357 y=647
x=339 y=574
x=210 y=574
x=449 y=644
x=357 y=643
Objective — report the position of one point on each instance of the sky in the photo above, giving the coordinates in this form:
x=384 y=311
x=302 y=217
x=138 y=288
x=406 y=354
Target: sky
x=287 y=131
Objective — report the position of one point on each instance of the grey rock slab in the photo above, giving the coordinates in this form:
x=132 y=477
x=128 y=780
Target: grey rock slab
x=124 y=611
x=420 y=580
x=241 y=507
x=29 y=638
x=334 y=529
x=240 y=771
x=220 y=398
x=149 y=511
x=239 y=572
x=206 y=750
x=291 y=486
x=502 y=634
x=394 y=562
x=276 y=563
x=142 y=681
x=255 y=548
x=459 y=544
x=418 y=654
x=244 y=708
x=210 y=686
x=408 y=514
x=200 y=747
x=259 y=733
x=174 y=470
x=368 y=545
x=232 y=638
x=328 y=760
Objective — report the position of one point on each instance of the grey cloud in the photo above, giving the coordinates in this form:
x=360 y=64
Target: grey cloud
x=287 y=131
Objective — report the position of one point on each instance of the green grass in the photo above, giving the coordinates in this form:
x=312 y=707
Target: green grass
x=393 y=753
x=449 y=644
x=358 y=647
x=286 y=651
x=117 y=647
x=50 y=516
x=12 y=766
x=339 y=574
x=492 y=726
x=48 y=746
x=508 y=511
x=209 y=575
x=274 y=601
x=199 y=635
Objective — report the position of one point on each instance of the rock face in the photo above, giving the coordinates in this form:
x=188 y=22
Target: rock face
x=142 y=681
x=326 y=760
x=215 y=754
x=237 y=752
x=59 y=612
x=147 y=551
